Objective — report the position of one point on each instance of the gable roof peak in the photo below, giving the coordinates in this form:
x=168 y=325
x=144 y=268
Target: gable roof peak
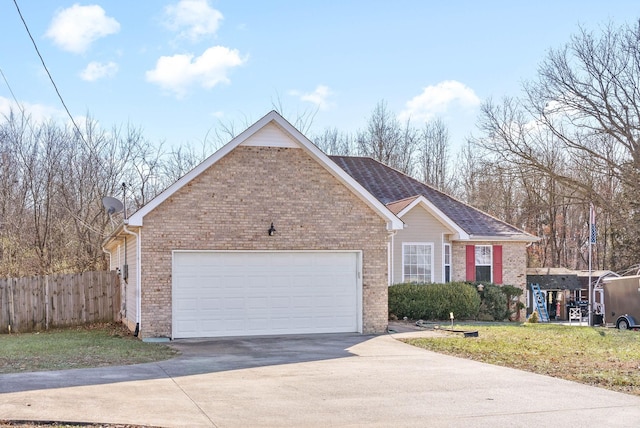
x=298 y=139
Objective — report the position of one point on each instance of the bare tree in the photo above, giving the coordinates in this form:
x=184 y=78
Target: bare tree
x=301 y=119
x=144 y=173
x=13 y=197
x=434 y=155
x=333 y=142
x=387 y=141
x=51 y=187
x=577 y=131
x=180 y=161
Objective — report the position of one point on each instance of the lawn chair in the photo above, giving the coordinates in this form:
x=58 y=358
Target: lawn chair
x=575 y=314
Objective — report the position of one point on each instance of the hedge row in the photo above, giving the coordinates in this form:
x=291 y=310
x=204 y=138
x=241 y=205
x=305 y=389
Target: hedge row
x=436 y=301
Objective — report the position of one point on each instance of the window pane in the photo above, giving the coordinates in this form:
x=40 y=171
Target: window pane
x=483 y=255
x=483 y=273
x=417 y=262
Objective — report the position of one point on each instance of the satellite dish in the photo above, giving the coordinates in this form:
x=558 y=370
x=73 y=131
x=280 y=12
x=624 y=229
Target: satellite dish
x=112 y=205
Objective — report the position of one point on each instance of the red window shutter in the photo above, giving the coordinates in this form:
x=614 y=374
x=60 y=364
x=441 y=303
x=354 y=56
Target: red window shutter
x=471 y=263
x=497 y=264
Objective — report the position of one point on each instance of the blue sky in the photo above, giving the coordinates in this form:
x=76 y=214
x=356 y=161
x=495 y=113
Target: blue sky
x=177 y=68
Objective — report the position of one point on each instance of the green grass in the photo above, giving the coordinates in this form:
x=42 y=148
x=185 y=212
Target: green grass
x=597 y=356
x=79 y=347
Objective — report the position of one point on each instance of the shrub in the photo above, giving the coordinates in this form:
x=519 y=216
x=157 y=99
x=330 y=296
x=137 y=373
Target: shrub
x=514 y=305
x=493 y=306
x=533 y=318
x=434 y=301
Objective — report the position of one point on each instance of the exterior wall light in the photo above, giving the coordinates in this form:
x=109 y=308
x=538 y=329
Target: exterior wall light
x=272 y=230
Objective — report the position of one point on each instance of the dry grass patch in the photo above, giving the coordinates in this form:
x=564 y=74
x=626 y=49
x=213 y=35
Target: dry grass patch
x=596 y=356
x=96 y=345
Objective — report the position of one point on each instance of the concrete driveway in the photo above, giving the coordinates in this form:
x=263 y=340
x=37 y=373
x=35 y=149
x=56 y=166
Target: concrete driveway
x=312 y=381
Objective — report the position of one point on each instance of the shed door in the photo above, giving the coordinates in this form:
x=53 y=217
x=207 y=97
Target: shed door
x=265 y=293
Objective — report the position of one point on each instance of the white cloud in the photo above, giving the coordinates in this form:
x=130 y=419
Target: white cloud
x=39 y=113
x=193 y=19
x=75 y=28
x=437 y=99
x=97 y=70
x=319 y=96
x=178 y=72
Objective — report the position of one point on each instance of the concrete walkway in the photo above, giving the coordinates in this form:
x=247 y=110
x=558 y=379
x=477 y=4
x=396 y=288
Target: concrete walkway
x=312 y=381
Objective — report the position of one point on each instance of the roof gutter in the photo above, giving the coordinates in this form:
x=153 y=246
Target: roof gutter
x=511 y=238
x=138 y=276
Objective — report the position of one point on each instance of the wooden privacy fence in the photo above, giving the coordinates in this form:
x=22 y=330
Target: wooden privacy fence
x=40 y=302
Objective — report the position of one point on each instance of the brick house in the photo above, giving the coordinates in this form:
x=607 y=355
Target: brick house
x=443 y=239
x=271 y=236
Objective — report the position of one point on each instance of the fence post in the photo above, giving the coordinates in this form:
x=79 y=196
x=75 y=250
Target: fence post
x=11 y=309
x=46 y=302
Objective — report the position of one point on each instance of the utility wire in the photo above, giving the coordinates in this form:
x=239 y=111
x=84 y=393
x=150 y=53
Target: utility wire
x=11 y=91
x=20 y=107
x=49 y=74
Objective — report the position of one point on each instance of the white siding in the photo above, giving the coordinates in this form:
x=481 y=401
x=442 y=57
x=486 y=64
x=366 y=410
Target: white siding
x=270 y=136
x=130 y=306
x=117 y=260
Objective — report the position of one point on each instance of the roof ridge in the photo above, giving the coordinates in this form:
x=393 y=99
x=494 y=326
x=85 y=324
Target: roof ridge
x=408 y=176
x=429 y=192
x=448 y=196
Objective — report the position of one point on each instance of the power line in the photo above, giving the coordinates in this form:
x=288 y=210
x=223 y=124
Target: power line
x=49 y=74
x=11 y=91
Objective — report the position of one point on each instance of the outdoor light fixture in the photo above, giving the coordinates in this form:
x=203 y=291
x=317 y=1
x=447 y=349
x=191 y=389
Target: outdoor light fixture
x=272 y=230
x=480 y=288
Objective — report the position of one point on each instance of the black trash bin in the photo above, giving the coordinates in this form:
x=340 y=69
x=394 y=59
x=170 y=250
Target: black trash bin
x=597 y=319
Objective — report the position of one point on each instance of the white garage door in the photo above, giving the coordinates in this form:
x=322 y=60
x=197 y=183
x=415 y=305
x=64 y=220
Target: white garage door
x=263 y=293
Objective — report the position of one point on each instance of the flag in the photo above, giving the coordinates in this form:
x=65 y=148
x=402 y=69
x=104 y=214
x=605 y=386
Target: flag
x=592 y=224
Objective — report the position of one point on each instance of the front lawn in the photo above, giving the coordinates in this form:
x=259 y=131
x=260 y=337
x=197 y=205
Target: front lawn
x=96 y=345
x=597 y=356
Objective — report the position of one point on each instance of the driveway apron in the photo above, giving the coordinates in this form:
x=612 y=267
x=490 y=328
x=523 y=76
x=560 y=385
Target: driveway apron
x=340 y=380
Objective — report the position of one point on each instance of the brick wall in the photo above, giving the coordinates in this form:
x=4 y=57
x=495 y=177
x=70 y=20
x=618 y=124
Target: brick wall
x=231 y=206
x=514 y=263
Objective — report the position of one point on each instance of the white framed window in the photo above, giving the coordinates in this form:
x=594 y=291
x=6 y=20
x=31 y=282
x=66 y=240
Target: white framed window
x=417 y=262
x=484 y=263
x=446 y=260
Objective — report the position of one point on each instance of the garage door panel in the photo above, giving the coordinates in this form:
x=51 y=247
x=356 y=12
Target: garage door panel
x=257 y=303
x=279 y=303
x=256 y=293
x=302 y=301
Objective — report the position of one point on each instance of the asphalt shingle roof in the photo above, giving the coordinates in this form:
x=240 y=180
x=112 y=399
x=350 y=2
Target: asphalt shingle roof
x=390 y=186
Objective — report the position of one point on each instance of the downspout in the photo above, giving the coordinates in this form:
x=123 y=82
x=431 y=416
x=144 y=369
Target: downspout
x=391 y=258
x=138 y=276
x=442 y=244
x=109 y=254
x=108 y=269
